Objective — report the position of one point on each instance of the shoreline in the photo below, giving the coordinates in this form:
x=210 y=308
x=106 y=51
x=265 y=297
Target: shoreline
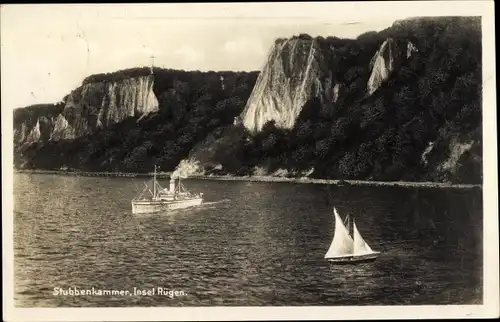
x=405 y=184
x=337 y=182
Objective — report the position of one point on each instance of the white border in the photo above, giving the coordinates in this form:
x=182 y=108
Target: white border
x=336 y=12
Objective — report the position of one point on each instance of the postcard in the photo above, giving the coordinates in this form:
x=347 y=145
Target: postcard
x=249 y=161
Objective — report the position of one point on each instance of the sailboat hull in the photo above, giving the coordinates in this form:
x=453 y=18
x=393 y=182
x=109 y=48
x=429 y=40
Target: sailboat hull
x=353 y=259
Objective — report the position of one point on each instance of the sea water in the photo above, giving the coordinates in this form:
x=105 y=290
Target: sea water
x=259 y=244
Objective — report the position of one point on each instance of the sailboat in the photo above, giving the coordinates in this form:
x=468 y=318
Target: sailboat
x=345 y=249
x=162 y=199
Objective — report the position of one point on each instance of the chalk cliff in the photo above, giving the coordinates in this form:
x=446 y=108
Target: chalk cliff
x=300 y=69
x=94 y=105
x=62 y=129
x=385 y=60
x=290 y=77
x=400 y=104
x=34 y=134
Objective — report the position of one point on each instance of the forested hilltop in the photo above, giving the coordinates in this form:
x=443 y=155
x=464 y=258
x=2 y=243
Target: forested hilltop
x=400 y=104
x=190 y=104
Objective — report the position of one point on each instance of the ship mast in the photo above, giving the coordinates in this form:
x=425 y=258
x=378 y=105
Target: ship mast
x=347 y=222
x=154 y=182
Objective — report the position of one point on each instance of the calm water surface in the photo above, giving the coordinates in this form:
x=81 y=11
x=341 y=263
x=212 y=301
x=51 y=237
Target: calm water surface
x=252 y=244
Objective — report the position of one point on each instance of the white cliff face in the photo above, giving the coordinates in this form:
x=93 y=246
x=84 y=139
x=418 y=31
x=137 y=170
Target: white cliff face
x=385 y=61
x=129 y=98
x=456 y=148
x=91 y=106
x=62 y=129
x=336 y=90
x=41 y=131
x=35 y=133
x=101 y=104
x=292 y=76
x=288 y=80
x=381 y=65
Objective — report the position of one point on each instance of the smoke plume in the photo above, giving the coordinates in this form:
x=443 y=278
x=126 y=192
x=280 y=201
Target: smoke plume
x=186 y=168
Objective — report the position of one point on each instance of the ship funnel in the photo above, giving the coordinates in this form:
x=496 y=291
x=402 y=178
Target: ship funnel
x=172 y=185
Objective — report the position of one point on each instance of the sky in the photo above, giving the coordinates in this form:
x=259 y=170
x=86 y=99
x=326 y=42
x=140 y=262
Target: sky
x=47 y=50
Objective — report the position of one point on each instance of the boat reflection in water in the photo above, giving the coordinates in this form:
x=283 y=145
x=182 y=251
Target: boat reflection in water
x=345 y=249
x=159 y=199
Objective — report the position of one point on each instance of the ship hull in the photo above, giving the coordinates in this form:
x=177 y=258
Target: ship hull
x=151 y=207
x=353 y=259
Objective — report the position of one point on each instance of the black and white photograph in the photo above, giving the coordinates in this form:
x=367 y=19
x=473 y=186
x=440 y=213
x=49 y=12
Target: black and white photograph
x=324 y=159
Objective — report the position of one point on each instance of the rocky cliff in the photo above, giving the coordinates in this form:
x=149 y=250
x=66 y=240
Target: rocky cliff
x=92 y=106
x=290 y=77
x=400 y=104
x=96 y=105
x=117 y=120
x=300 y=69
x=385 y=60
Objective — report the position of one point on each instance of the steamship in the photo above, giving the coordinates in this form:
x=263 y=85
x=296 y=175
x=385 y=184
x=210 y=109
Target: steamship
x=159 y=199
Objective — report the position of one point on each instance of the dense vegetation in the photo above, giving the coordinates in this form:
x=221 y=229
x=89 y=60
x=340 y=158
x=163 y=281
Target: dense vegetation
x=191 y=105
x=29 y=115
x=435 y=96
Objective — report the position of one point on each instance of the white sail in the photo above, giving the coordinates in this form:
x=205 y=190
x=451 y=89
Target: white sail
x=342 y=243
x=360 y=246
